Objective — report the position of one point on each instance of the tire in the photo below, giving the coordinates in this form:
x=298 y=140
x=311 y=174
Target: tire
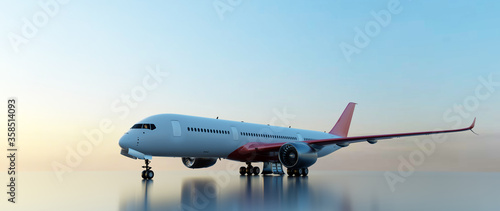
x=249 y=170
x=256 y=170
x=243 y=170
x=305 y=172
x=150 y=174
x=299 y=172
x=143 y=174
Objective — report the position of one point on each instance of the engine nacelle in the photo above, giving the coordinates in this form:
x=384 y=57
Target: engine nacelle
x=345 y=144
x=195 y=163
x=297 y=155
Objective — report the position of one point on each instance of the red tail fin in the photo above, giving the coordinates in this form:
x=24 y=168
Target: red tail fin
x=341 y=128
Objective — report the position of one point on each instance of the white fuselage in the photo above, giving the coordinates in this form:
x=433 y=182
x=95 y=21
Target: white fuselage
x=177 y=135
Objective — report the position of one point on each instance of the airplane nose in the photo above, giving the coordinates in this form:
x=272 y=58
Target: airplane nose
x=123 y=142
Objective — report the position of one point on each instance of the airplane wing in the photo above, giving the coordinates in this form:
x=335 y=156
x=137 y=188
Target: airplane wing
x=255 y=148
x=374 y=138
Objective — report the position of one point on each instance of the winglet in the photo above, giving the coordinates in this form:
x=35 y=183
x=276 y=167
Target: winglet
x=341 y=128
x=473 y=124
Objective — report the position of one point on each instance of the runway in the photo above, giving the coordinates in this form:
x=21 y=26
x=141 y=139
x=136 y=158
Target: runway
x=224 y=190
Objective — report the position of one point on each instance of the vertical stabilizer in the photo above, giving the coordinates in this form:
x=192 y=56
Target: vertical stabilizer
x=341 y=128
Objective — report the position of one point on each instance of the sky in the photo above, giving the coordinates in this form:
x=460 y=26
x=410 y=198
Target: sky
x=410 y=66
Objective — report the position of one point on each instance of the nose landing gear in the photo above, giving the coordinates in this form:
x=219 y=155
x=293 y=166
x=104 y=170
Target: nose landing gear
x=148 y=173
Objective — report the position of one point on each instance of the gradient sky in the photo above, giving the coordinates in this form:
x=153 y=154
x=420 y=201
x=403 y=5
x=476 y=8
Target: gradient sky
x=262 y=57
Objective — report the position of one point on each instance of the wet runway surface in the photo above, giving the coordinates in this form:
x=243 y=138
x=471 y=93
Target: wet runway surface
x=223 y=190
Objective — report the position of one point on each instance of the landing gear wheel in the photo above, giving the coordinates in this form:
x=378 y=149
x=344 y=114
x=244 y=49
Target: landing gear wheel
x=243 y=170
x=150 y=174
x=289 y=172
x=143 y=175
x=256 y=170
x=249 y=170
x=305 y=172
x=299 y=172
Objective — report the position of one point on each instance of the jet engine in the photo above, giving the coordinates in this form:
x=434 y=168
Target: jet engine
x=196 y=163
x=297 y=155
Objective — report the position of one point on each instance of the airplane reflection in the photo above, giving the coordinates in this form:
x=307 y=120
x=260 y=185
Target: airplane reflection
x=245 y=193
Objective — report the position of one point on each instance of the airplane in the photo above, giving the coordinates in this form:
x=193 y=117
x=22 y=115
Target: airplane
x=200 y=141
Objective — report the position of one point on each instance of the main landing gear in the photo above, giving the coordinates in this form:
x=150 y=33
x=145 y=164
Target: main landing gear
x=148 y=173
x=297 y=172
x=249 y=169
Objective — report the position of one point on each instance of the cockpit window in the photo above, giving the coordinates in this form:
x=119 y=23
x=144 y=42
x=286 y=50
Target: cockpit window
x=144 y=126
x=136 y=126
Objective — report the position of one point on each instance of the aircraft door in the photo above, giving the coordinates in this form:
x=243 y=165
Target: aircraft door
x=234 y=131
x=176 y=128
x=299 y=137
